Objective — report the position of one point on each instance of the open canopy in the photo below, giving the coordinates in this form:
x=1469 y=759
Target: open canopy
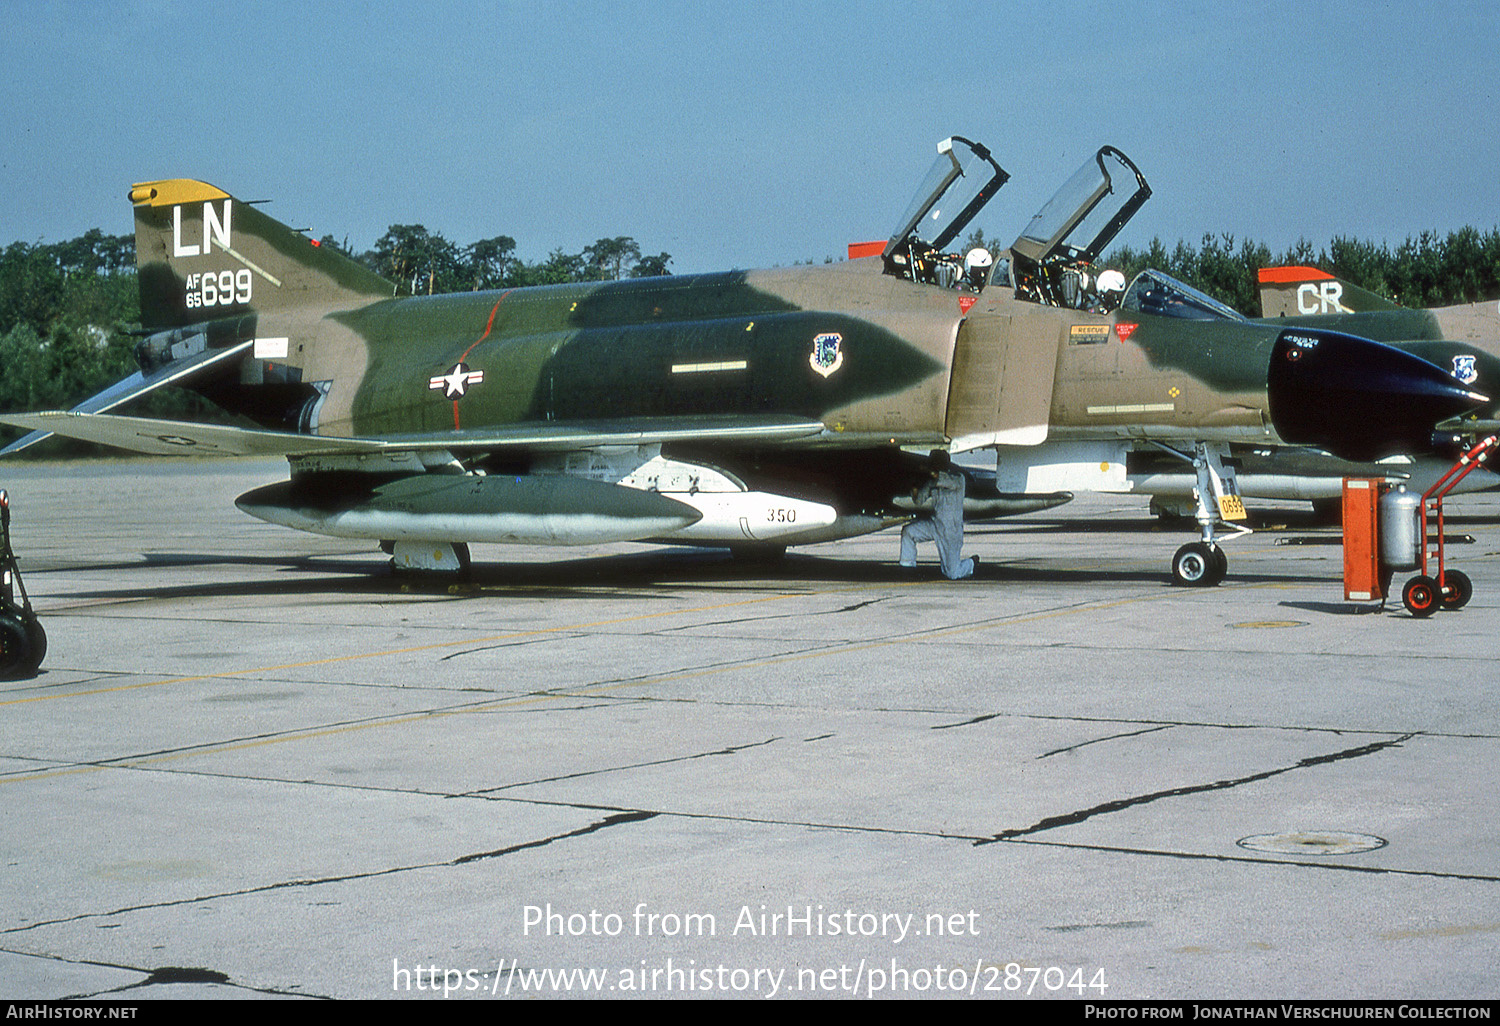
x=962 y=180
x=1075 y=225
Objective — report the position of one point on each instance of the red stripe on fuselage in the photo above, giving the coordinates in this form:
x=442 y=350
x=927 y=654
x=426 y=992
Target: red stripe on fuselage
x=488 y=327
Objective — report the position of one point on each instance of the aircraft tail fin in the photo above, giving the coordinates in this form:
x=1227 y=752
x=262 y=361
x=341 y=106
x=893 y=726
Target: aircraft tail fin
x=202 y=255
x=228 y=294
x=1307 y=291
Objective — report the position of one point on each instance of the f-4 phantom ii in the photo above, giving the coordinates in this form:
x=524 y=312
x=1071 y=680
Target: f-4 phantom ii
x=748 y=408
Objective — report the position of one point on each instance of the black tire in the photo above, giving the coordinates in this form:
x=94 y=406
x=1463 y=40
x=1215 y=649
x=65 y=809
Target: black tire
x=1457 y=589
x=1198 y=565
x=1223 y=563
x=1420 y=596
x=18 y=658
x=38 y=642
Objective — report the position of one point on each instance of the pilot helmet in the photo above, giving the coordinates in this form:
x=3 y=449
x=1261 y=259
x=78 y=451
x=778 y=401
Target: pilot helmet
x=977 y=265
x=1110 y=281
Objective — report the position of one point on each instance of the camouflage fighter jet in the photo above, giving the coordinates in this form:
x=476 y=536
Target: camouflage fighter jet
x=757 y=409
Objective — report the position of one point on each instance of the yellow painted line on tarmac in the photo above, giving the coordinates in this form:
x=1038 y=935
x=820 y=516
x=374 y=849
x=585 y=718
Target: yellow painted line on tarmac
x=394 y=651
x=551 y=696
x=941 y=632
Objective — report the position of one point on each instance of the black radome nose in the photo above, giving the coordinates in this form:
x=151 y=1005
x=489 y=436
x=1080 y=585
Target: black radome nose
x=1357 y=398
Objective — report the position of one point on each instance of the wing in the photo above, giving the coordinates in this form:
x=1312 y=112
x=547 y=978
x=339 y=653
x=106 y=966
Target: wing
x=176 y=438
x=133 y=387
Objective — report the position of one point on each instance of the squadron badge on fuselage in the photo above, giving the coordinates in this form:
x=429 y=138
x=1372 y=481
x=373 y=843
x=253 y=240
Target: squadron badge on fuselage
x=826 y=356
x=1464 y=369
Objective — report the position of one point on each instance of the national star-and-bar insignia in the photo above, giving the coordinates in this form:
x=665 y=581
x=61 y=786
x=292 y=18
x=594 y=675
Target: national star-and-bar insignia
x=455 y=384
x=826 y=356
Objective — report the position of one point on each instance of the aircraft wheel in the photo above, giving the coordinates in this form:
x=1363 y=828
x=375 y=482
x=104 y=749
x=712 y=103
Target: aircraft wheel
x=38 y=642
x=1223 y=561
x=1420 y=596
x=19 y=652
x=1457 y=589
x=1199 y=565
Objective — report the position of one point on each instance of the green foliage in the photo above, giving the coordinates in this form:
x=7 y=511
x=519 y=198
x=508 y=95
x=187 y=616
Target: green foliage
x=65 y=310
x=31 y=287
x=606 y=259
x=419 y=261
x=490 y=261
x=1426 y=271
x=651 y=266
x=425 y=263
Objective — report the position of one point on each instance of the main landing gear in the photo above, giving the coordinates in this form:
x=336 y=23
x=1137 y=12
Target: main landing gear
x=424 y=556
x=1202 y=564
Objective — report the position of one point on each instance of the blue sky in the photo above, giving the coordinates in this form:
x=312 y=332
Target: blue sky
x=748 y=135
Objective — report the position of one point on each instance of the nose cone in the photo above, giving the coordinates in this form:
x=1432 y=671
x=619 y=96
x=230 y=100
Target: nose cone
x=1356 y=398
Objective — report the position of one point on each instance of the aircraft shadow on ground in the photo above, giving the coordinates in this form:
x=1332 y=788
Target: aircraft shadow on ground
x=1343 y=608
x=1266 y=520
x=627 y=576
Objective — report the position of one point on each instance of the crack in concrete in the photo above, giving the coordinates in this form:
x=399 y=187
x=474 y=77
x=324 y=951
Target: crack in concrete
x=1071 y=818
x=853 y=607
x=543 y=640
x=966 y=723
x=163 y=975
x=171 y=975
x=1109 y=737
x=608 y=821
x=730 y=750
x=1202 y=856
x=634 y=816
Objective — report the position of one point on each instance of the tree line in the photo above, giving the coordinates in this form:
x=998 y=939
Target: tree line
x=69 y=310
x=422 y=262
x=1430 y=270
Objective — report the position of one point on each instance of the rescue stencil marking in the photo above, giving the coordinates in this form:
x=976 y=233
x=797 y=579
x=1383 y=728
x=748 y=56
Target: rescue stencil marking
x=271 y=348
